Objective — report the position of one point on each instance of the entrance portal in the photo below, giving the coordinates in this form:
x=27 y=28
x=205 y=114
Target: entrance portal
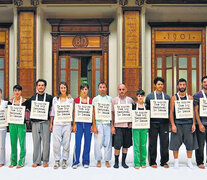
x=76 y=70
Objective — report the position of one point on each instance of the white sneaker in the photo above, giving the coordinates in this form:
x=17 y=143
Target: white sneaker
x=86 y=166
x=75 y=166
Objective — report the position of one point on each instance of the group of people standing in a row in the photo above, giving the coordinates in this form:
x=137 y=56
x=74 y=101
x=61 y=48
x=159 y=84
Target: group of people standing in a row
x=111 y=128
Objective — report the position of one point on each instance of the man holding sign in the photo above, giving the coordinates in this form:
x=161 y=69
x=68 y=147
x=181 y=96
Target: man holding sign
x=158 y=104
x=3 y=125
x=200 y=104
x=39 y=105
x=183 y=123
x=102 y=104
x=121 y=124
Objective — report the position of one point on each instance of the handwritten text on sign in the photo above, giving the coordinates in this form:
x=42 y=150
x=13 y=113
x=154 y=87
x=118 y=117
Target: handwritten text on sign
x=103 y=111
x=184 y=109
x=16 y=114
x=83 y=113
x=159 y=108
x=39 y=110
x=3 y=121
x=203 y=107
x=123 y=113
x=141 y=119
x=63 y=112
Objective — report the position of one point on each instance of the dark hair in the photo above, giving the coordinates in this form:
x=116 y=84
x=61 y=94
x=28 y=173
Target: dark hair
x=181 y=80
x=159 y=79
x=140 y=92
x=82 y=86
x=102 y=84
x=0 y=90
x=41 y=80
x=18 y=87
x=65 y=84
x=204 y=77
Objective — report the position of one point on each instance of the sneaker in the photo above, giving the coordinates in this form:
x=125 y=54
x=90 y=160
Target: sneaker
x=75 y=166
x=64 y=164
x=57 y=165
x=86 y=166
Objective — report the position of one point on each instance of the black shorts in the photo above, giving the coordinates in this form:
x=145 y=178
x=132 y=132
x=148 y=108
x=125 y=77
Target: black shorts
x=122 y=138
x=184 y=135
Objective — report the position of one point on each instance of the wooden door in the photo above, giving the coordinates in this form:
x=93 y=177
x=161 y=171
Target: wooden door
x=173 y=64
x=70 y=72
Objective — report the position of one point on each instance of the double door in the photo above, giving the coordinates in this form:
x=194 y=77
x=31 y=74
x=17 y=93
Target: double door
x=76 y=70
x=175 y=63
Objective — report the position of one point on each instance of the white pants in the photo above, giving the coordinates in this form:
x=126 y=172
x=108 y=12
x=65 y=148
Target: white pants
x=103 y=139
x=2 y=146
x=61 y=137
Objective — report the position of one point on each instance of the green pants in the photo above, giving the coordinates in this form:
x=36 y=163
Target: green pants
x=17 y=131
x=140 y=149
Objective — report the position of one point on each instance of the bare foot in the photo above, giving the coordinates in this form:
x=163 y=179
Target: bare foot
x=98 y=164
x=1 y=165
x=11 y=166
x=45 y=164
x=18 y=167
x=34 y=165
x=201 y=166
x=107 y=164
x=136 y=167
x=143 y=166
x=154 y=166
x=166 y=166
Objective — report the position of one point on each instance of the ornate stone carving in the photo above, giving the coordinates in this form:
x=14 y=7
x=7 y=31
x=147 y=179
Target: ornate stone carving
x=123 y=2
x=35 y=2
x=140 y=2
x=18 y=2
x=80 y=41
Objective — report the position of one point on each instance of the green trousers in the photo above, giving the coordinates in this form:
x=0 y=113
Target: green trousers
x=140 y=149
x=17 y=131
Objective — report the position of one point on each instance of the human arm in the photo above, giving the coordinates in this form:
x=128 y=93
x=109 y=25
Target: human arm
x=93 y=127
x=172 y=104
x=193 y=126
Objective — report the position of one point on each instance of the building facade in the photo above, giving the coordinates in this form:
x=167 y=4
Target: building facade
x=115 y=41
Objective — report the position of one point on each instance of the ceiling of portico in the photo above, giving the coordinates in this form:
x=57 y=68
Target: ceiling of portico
x=179 y=13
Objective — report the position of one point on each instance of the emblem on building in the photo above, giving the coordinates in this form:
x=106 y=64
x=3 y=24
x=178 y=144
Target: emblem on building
x=80 y=41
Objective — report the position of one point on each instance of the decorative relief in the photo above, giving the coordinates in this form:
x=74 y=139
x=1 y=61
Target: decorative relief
x=35 y=2
x=178 y=36
x=80 y=41
x=123 y=2
x=140 y=2
x=105 y=43
x=131 y=39
x=18 y=2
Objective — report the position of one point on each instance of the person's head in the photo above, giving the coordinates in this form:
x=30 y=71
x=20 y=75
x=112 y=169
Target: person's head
x=17 y=89
x=204 y=82
x=102 y=88
x=182 y=85
x=84 y=89
x=140 y=95
x=63 y=89
x=159 y=84
x=122 y=90
x=0 y=93
x=41 y=85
